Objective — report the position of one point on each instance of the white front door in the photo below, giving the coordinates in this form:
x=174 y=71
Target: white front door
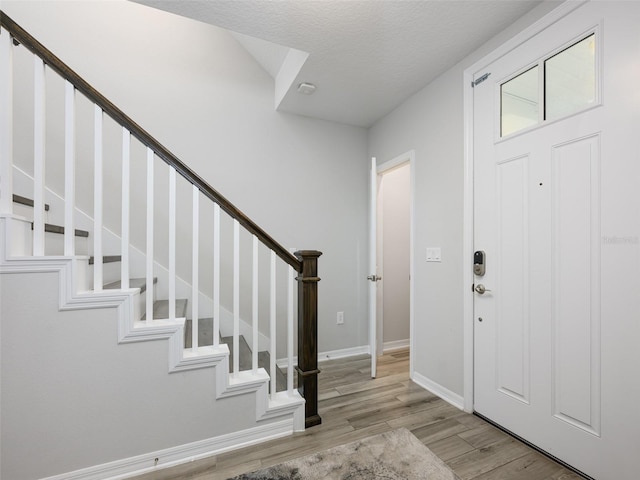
x=557 y=213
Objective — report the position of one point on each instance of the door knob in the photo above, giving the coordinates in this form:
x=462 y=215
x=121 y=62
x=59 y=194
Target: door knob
x=480 y=289
x=374 y=278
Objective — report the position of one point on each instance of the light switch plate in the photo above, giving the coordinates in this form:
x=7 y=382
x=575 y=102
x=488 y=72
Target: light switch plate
x=434 y=254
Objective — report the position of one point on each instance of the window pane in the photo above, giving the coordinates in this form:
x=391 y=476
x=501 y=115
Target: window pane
x=519 y=102
x=570 y=79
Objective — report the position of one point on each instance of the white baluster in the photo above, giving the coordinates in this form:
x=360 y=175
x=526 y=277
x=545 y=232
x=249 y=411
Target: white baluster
x=126 y=196
x=97 y=201
x=149 y=291
x=69 y=168
x=272 y=326
x=6 y=123
x=236 y=296
x=195 y=290
x=254 y=306
x=290 y=330
x=38 y=157
x=172 y=243
x=216 y=274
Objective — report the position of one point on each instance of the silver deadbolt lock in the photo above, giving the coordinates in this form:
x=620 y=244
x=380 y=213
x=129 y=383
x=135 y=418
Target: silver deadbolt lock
x=479 y=261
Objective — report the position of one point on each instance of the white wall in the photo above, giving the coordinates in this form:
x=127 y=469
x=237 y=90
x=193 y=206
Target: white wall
x=431 y=123
x=194 y=88
x=395 y=189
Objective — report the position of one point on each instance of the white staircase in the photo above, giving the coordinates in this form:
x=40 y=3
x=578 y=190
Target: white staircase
x=283 y=410
x=96 y=382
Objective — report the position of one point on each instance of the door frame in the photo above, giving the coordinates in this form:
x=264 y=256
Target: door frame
x=561 y=11
x=407 y=158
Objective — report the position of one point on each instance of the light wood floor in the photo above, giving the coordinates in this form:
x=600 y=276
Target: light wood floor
x=353 y=406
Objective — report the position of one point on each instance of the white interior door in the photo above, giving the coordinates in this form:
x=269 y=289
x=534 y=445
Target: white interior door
x=373 y=276
x=556 y=210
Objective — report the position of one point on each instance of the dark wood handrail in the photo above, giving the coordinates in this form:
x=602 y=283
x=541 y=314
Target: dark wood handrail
x=53 y=62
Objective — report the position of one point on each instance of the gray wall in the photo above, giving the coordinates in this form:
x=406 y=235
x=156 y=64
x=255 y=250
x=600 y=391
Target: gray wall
x=194 y=88
x=70 y=406
x=432 y=123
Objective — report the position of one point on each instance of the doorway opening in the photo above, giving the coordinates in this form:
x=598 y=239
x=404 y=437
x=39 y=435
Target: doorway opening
x=394 y=257
x=394 y=200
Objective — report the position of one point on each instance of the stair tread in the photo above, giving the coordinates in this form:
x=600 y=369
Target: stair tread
x=107 y=259
x=49 y=228
x=161 y=308
x=205 y=338
x=246 y=358
x=264 y=361
x=205 y=332
x=27 y=201
x=140 y=283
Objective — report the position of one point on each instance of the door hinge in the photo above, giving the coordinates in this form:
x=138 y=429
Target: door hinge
x=479 y=80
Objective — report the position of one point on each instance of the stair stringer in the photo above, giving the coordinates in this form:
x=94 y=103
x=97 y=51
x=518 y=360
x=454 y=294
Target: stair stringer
x=72 y=272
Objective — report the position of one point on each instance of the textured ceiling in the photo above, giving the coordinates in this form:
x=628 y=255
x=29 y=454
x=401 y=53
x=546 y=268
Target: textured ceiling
x=365 y=56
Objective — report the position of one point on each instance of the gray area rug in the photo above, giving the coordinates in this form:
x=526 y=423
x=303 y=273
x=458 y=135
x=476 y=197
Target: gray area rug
x=392 y=455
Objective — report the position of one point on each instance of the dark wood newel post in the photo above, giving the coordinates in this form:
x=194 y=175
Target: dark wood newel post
x=308 y=334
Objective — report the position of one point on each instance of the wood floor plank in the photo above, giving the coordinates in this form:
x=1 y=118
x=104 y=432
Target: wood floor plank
x=565 y=475
x=388 y=413
x=484 y=436
x=355 y=409
x=450 y=447
x=532 y=466
x=327 y=394
x=438 y=431
x=371 y=384
x=439 y=411
x=480 y=461
x=303 y=449
x=363 y=396
x=279 y=449
x=415 y=395
x=228 y=472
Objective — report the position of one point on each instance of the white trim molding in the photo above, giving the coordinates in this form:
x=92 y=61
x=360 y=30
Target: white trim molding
x=330 y=355
x=437 y=389
x=344 y=353
x=395 y=345
x=170 y=457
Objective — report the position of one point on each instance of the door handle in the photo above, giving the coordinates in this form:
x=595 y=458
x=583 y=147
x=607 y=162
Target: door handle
x=480 y=289
x=374 y=278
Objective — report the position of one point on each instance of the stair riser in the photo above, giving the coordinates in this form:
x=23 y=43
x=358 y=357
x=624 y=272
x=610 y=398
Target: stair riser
x=19 y=238
x=54 y=244
x=110 y=272
x=27 y=212
x=142 y=303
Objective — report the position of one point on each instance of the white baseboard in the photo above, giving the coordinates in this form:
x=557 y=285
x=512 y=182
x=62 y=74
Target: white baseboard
x=330 y=355
x=395 y=345
x=170 y=457
x=437 y=389
x=343 y=353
